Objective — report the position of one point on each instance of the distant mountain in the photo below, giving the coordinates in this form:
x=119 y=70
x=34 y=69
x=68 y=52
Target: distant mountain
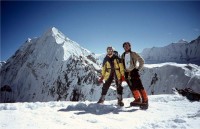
x=180 y=52
x=54 y=68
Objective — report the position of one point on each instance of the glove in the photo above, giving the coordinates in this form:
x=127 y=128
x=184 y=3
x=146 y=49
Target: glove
x=100 y=79
x=122 y=78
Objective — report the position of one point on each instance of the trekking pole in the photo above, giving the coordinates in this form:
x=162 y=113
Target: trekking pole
x=148 y=88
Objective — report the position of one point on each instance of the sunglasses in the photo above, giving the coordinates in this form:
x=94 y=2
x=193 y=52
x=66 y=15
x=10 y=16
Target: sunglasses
x=110 y=50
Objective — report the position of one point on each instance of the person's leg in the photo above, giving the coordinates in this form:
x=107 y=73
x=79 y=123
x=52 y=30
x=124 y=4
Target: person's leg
x=135 y=92
x=119 y=92
x=138 y=84
x=105 y=88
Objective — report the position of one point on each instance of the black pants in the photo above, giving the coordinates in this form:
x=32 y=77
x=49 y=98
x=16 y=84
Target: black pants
x=107 y=84
x=133 y=80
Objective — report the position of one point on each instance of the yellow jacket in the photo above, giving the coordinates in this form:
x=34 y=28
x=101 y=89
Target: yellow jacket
x=112 y=63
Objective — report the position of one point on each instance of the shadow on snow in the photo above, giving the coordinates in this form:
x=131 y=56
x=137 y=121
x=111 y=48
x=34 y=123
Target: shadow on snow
x=97 y=109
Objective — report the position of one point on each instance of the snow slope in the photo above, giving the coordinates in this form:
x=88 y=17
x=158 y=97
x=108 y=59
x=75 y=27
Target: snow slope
x=165 y=112
x=180 y=52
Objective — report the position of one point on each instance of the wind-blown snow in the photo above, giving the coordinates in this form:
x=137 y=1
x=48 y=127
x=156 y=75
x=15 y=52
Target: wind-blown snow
x=165 y=112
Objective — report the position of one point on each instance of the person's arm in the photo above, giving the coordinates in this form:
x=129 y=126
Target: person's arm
x=103 y=71
x=140 y=60
x=121 y=66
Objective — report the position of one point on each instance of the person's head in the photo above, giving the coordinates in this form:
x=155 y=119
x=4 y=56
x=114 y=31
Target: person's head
x=127 y=46
x=115 y=53
x=110 y=50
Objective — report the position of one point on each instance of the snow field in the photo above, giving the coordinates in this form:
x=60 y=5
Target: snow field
x=165 y=111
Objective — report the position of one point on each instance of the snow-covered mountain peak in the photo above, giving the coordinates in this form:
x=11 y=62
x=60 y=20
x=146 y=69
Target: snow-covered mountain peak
x=41 y=63
x=52 y=31
x=54 y=41
x=182 y=41
x=54 y=35
x=29 y=40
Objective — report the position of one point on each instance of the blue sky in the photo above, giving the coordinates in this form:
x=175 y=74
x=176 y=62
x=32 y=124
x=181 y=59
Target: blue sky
x=96 y=25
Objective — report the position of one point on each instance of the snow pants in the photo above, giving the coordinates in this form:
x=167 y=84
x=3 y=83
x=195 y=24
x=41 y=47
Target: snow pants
x=108 y=82
x=133 y=80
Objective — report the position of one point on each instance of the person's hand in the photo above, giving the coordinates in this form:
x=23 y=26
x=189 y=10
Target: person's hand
x=100 y=79
x=122 y=78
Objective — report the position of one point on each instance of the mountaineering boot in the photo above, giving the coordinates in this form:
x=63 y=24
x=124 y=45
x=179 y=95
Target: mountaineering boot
x=137 y=101
x=102 y=98
x=144 y=96
x=145 y=103
x=120 y=103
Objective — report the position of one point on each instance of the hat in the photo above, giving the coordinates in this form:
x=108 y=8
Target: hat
x=115 y=53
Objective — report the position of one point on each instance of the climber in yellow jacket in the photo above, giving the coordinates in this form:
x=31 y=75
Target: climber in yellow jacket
x=112 y=69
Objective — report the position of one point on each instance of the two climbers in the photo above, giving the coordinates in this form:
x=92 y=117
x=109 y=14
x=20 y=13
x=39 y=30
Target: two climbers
x=124 y=69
